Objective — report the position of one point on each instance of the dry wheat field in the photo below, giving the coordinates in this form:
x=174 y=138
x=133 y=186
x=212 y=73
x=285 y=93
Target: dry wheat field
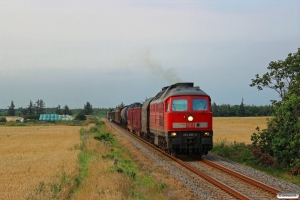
x=32 y=159
x=237 y=129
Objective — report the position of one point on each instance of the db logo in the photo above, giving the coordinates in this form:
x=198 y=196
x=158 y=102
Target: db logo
x=190 y=125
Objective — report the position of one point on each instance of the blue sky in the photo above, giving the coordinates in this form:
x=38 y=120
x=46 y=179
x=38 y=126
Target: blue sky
x=108 y=52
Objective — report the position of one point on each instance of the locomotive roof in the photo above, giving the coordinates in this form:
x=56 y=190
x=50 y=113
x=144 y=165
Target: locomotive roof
x=179 y=89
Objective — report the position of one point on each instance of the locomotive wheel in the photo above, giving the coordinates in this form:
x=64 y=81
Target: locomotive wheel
x=173 y=153
x=162 y=143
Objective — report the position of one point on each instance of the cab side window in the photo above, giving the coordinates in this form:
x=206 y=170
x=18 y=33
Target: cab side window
x=200 y=104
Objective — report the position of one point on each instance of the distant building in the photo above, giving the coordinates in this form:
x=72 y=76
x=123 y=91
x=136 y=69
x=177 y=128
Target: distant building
x=14 y=118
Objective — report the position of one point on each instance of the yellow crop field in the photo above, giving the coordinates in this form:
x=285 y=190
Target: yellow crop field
x=237 y=129
x=35 y=159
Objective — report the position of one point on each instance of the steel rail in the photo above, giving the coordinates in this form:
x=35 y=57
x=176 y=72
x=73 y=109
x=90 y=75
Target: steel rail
x=245 y=178
x=208 y=178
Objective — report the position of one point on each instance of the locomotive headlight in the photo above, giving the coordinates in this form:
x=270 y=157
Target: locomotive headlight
x=173 y=134
x=206 y=133
x=190 y=118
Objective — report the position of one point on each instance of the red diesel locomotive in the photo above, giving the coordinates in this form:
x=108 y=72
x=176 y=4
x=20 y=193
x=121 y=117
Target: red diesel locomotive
x=178 y=119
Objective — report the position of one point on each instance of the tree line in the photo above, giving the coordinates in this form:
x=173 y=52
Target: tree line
x=33 y=110
x=222 y=110
x=242 y=110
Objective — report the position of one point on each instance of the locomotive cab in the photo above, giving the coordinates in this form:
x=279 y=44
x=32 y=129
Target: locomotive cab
x=181 y=120
x=188 y=121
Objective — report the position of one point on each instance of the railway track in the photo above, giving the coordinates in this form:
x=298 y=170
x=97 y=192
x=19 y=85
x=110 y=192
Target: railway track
x=236 y=185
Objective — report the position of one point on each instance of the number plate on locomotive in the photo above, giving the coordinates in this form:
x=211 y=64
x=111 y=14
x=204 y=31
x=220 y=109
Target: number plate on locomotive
x=189 y=134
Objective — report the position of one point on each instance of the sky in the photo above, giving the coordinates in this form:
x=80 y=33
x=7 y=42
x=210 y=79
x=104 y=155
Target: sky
x=106 y=52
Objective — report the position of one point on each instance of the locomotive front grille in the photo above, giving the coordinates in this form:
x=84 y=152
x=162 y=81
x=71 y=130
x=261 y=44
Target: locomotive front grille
x=206 y=141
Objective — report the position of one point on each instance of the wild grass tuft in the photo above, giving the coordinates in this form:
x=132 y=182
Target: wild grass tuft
x=127 y=167
x=54 y=189
x=105 y=137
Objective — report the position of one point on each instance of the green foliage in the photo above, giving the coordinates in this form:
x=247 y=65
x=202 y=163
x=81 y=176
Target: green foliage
x=94 y=129
x=238 y=152
x=251 y=156
x=33 y=117
x=100 y=111
x=105 y=137
x=127 y=167
x=88 y=109
x=58 y=110
x=83 y=158
x=80 y=116
x=30 y=109
x=281 y=139
x=40 y=188
x=242 y=111
x=281 y=76
x=66 y=110
x=226 y=110
x=11 y=109
x=99 y=122
x=138 y=195
x=114 y=154
x=39 y=106
x=3 y=119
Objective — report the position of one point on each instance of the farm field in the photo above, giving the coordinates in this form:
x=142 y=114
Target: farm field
x=237 y=129
x=36 y=158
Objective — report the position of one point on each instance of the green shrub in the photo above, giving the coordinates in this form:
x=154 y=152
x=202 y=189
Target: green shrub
x=80 y=116
x=33 y=117
x=104 y=136
x=94 y=129
x=3 y=119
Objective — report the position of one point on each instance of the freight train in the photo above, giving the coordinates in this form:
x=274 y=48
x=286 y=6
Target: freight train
x=178 y=119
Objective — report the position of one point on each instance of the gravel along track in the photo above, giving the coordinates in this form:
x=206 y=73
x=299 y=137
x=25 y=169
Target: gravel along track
x=253 y=192
x=201 y=187
x=254 y=174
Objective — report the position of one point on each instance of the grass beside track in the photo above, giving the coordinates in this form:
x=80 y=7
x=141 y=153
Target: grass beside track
x=110 y=170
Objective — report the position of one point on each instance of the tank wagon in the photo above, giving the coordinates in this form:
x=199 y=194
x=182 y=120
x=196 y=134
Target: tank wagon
x=177 y=119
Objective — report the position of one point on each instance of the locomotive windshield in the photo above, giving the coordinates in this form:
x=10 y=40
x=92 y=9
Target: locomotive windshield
x=179 y=105
x=199 y=104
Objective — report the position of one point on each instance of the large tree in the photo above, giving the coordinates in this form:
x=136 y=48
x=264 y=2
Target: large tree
x=241 y=111
x=88 y=109
x=39 y=106
x=281 y=75
x=30 y=108
x=11 y=109
x=66 y=110
x=282 y=137
x=58 y=110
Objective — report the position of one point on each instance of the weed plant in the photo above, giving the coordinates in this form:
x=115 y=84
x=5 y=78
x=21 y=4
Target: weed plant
x=53 y=189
